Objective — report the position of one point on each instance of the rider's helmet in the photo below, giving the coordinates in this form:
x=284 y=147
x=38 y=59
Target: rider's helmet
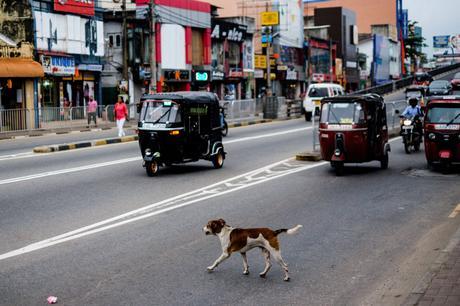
x=413 y=102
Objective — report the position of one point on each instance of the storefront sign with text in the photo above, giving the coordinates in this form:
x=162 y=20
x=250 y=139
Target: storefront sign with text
x=80 y=7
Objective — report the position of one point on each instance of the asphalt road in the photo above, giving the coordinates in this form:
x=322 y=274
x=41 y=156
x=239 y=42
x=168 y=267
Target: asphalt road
x=89 y=226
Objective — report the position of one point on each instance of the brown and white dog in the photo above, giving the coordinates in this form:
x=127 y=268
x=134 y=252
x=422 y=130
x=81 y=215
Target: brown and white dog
x=242 y=240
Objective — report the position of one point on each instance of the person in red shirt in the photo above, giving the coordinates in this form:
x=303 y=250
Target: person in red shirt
x=121 y=113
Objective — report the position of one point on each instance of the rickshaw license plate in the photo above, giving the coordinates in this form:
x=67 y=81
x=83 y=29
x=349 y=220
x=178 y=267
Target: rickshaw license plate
x=317 y=102
x=408 y=127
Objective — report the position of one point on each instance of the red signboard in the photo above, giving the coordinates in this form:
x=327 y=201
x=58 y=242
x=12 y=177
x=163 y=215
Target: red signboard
x=80 y=7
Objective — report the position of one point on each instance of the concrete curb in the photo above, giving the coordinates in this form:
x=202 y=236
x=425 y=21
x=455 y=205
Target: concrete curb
x=85 y=144
x=250 y=122
x=421 y=287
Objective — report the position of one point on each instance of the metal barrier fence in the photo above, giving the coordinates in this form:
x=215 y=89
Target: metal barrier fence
x=395 y=85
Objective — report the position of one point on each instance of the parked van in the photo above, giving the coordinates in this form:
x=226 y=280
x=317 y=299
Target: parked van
x=315 y=93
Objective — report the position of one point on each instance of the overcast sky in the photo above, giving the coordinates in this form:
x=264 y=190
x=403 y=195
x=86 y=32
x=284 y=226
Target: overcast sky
x=436 y=17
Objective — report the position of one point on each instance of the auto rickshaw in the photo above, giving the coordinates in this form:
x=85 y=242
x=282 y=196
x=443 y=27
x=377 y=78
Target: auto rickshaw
x=353 y=129
x=422 y=78
x=179 y=127
x=442 y=131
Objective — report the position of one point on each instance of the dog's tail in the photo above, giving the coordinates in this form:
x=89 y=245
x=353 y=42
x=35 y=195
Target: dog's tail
x=290 y=231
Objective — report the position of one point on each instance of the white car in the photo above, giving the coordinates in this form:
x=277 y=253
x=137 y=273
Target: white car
x=315 y=93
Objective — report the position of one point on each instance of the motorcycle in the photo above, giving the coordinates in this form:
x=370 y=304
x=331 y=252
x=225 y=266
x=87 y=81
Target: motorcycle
x=223 y=122
x=411 y=133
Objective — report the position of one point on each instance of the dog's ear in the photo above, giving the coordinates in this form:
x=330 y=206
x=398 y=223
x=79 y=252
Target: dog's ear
x=222 y=222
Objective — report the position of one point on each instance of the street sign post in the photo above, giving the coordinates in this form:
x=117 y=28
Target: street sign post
x=269 y=18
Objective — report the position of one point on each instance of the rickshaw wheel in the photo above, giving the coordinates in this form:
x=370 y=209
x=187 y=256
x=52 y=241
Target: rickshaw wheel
x=308 y=116
x=384 y=161
x=339 y=168
x=224 y=131
x=417 y=147
x=151 y=168
x=406 y=148
x=218 y=160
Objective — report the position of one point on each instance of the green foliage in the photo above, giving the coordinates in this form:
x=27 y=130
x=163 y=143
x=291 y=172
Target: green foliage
x=413 y=44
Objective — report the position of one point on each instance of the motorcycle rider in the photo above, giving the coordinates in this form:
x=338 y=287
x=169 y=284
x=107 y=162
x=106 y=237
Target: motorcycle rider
x=413 y=110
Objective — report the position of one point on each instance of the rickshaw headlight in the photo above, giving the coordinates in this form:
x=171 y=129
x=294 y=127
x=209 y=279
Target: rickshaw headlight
x=148 y=152
x=432 y=136
x=337 y=152
x=407 y=122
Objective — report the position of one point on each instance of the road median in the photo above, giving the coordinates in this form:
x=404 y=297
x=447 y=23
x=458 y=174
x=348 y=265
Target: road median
x=84 y=144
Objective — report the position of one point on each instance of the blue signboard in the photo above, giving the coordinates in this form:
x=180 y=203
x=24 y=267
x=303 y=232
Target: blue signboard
x=441 y=41
x=405 y=23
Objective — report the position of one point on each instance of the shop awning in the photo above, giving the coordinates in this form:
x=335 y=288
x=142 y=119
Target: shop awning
x=20 y=68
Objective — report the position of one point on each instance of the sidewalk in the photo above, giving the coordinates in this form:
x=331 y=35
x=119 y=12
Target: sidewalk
x=440 y=285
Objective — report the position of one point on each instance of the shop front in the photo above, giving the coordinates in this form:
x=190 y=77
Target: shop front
x=175 y=80
x=18 y=73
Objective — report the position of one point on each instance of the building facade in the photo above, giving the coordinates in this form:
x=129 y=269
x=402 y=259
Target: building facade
x=368 y=13
x=343 y=30
x=70 y=45
x=19 y=71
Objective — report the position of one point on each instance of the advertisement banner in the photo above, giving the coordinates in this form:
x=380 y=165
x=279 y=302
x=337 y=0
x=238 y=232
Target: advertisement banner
x=451 y=47
x=78 y=7
x=381 y=63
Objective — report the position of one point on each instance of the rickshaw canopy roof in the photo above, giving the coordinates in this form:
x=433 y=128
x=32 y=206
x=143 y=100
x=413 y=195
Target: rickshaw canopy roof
x=371 y=99
x=185 y=97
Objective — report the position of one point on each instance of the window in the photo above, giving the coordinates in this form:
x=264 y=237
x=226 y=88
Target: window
x=197 y=47
x=118 y=41
x=110 y=41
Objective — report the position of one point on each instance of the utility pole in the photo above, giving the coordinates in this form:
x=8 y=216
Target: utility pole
x=125 y=43
x=153 y=63
x=268 y=32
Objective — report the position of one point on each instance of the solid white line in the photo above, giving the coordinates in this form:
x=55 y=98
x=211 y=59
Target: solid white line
x=92 y=229
x=70 y=170
x=268 y=135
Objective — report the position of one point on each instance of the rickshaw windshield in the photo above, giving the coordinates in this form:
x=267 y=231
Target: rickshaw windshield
x=413 y=94
x=342 y=113
x=160 y=111
x=444 y=114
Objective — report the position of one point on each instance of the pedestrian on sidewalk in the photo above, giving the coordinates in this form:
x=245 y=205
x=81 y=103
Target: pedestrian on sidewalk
x=92 y=109
x=67 y=106
x=121 y=113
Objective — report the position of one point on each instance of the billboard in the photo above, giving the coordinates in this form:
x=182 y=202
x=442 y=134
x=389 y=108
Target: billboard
x=446 y=45
x=290 y=22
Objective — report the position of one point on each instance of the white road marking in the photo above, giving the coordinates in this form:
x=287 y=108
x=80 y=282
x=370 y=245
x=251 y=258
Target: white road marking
x=455 y=212
x=161 y=207
x=267 y=135
x=69 y=170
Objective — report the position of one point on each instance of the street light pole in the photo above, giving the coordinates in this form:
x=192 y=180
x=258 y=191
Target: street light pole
x=152 y=45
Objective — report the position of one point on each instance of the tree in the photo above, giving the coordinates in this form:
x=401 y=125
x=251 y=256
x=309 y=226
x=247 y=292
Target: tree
x=413 y=44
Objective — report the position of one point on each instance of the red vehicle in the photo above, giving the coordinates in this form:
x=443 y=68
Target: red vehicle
x=422 y=78
x=353 y=129
x=456 y=81
x=442 y=131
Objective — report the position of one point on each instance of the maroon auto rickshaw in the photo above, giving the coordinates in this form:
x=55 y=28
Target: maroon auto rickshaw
x=353 y=129
x=442 y=131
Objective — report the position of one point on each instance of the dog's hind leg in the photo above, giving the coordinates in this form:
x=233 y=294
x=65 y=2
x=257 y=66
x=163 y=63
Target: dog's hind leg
x=245 y=264
x=277 y=255
x=268 y=264
x=222 y=257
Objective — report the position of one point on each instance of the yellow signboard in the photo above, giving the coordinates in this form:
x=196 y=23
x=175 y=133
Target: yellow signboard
x=269 y=18
x=260 y=61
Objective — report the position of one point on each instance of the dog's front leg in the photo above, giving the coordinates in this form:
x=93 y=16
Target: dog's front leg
x=222 y=257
